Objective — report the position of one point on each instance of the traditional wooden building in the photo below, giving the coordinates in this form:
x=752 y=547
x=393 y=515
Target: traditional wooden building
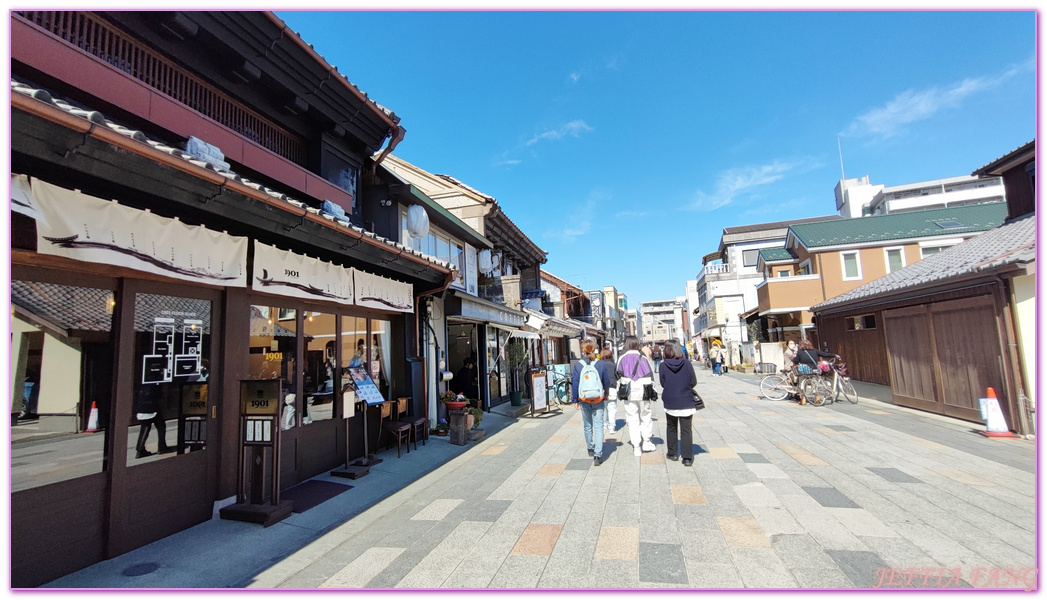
x=190 y=209
x=941 y=331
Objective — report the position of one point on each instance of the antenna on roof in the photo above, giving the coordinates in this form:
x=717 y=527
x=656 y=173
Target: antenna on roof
x=840 y=147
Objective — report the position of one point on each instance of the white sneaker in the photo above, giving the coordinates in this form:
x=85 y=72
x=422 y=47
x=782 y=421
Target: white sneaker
x=647 y=446
x=637 y=451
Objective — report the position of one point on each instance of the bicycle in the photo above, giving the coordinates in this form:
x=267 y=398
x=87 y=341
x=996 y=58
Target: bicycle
x=821 y=389
x=561 y=395
x=777 y=386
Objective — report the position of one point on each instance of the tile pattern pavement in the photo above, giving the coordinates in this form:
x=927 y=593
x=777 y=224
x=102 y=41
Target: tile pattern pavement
x=844 y=496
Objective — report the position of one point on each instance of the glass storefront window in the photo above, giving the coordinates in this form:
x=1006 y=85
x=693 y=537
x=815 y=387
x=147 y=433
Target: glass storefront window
x=172 y=342
x=354 y=348
x=272 y=354
x=62 y=372
x=381 y=355
x=318 y=331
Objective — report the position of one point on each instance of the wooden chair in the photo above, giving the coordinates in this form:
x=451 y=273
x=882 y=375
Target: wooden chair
x=401 y=431
x=418 y=424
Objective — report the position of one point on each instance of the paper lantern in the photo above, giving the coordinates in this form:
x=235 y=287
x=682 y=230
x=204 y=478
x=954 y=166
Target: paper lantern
x=417 y=221
x=486 y=265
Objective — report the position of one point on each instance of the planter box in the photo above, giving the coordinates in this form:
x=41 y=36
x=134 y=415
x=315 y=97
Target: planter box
x=745 y=369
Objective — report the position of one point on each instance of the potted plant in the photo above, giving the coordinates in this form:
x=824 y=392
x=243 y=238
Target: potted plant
x=516 y=358
x=441 y=428
x=476 y=414
x=453 y=401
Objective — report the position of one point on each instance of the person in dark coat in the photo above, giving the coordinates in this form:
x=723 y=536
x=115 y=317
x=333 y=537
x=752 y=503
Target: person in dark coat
x=678 y=380
x=149 y=414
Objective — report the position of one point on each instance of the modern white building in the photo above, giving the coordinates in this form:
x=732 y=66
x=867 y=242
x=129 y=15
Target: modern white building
x=859 y=198
x=726 y=285
x=660 y=320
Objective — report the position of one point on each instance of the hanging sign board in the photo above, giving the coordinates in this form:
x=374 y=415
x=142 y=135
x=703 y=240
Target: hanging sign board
x=373 y=291
x=288 y=274
x=81 y=227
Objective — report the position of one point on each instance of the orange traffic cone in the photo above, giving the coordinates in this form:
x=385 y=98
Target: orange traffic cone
x=92 y=419
x=995 y=424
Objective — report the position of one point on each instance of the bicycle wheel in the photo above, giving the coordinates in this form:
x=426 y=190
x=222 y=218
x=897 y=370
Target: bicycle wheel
x=775 y=387
x=844 y=387
x=816 y=390
x=560 y=392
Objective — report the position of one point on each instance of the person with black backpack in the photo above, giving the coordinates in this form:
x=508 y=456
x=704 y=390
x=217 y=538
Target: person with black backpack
x=590 y=381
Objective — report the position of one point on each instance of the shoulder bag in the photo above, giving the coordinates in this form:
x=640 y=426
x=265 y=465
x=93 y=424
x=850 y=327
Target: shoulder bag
x=699 y=404
x=649 y=393
x=624 y=383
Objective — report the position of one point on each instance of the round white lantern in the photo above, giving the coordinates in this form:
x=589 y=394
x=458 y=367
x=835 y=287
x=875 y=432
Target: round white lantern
x=485 y=263
x=417 y=221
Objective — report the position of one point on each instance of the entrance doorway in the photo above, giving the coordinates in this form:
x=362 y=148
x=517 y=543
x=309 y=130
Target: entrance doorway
x=463 y=360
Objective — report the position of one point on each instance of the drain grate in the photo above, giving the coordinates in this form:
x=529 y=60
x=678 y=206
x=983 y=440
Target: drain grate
x=140 y=569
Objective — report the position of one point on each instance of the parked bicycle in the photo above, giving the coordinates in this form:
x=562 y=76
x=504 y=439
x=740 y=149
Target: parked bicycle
x=778 y=386
x=561 y=395
x=826 y=389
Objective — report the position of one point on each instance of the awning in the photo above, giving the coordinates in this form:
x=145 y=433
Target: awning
x=549 y=325
x=471 y=308
x=527 y=335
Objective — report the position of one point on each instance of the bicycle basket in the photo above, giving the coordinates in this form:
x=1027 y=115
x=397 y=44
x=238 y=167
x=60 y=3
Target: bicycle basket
x=841 y=368
x=803 y=369
x=768 y=368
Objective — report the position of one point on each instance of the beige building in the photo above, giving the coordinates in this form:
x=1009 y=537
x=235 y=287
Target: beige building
x=826 y=259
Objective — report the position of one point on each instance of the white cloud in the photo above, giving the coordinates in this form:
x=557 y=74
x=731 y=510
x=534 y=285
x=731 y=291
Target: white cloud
x=509 y=162
x=579 y=223
x=733 y=183
x=575 y=77
x=574 y=129
x=911 y=106
x=632 y=213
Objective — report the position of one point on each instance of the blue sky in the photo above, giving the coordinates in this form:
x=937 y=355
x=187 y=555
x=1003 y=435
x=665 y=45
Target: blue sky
x=624 y=142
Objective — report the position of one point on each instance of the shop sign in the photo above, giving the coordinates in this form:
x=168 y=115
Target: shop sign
x=373 y=291
x=81 y=227
x=288 y=274
x=483 y=312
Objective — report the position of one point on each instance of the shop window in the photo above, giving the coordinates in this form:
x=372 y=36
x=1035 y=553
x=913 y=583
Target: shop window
x=379 y=367
x=318 y=385
x=61 y=367
x=354 y=348
x=272 y=354
x=172 y=366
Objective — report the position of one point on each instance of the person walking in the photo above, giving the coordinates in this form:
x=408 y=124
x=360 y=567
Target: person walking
x=714 y=356
x=638 y=371
x=721 y=354
x=590 y=380
x=678 y=380
x=611 y=397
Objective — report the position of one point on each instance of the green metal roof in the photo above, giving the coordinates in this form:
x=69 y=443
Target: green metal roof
x=899 y=226
x=773 y=254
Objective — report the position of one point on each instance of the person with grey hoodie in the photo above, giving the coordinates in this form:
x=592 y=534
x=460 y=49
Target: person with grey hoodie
x=678 y=380
x=637 y=370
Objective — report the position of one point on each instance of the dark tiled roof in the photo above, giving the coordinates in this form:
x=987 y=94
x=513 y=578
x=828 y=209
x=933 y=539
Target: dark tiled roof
x=1011 y=243
x=73 y=308
x=899 y=226
x=99 y=119
x=778 y=224
x=773 y=254
x=988 y=169
x=69 y=308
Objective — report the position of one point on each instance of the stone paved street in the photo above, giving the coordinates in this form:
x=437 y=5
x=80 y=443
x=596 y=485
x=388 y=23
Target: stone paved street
x=780 y=496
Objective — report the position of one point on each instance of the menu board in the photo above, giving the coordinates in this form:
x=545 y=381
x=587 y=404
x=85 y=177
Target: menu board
x=366 y=390
x=539 y=399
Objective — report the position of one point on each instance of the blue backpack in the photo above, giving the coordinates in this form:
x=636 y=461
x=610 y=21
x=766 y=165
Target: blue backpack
x=590 y=384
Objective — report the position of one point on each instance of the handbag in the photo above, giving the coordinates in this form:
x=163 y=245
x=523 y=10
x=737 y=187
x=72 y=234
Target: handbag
x=699 y=404
x=649 y=393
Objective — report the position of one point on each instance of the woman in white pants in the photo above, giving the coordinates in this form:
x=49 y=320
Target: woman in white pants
x=636 y=369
